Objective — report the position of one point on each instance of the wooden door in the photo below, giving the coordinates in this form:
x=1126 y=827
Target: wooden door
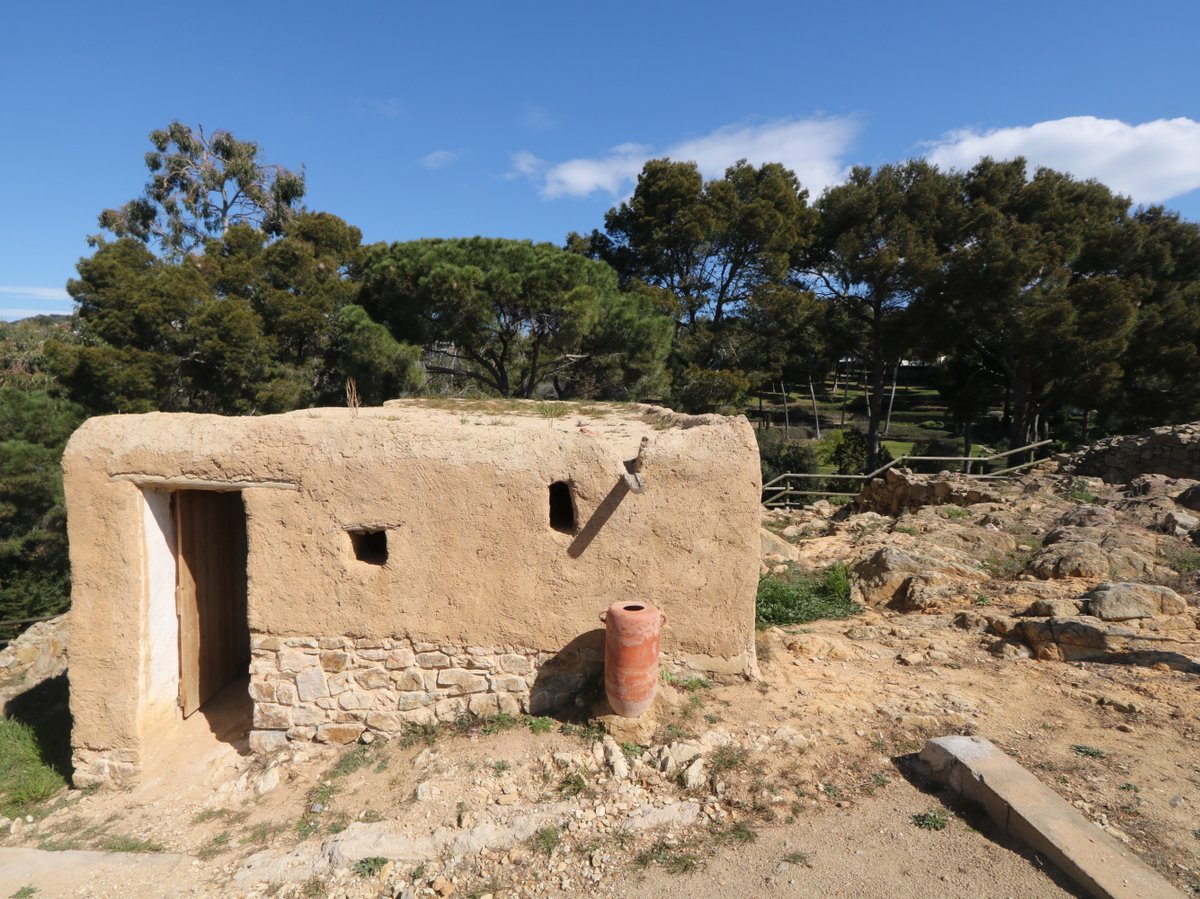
x=214 y=637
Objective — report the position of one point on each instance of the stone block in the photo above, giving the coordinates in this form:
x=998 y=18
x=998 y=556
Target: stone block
x=334 y=643
x=308 y=714
x=1029 y=810
x=264 y=741
x=340 y=683
x=412 y=700
x=511 y=703
x=372 y=655
x=339 y=733
x=433 y=660
x=334 y=660
x=450 y=709
x=373 y=678
x=400 y=658
x=305 y=733
x=285 y=693
x=460 y=681
x=262 y=691
x=409 y=679
x=270 y=716
x=297 y=660
x=269 y=644
x=508 y=683
x=387 y=722
x=310 y=684
x=353 y=699
x=485 y=705
x=421 y=716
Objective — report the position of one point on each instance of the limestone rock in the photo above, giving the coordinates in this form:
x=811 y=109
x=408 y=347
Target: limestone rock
x=895 y=577
x=773 y=545
x=1124 y=601
x=1054 y=608
x=1070 y=559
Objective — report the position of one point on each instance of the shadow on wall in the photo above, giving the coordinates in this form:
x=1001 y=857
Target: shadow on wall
x=45 y=709
x=599 y=518
x=572 y=677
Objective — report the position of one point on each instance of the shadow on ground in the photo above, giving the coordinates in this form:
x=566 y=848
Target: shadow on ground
x=45 y=709
x=975 y=816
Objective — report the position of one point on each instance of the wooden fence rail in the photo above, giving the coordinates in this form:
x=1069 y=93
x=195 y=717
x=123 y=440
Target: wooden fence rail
x=779 y=491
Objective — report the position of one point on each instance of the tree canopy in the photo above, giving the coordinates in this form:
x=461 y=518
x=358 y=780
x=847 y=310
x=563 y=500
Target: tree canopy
x=200 y=186
x=510 y=315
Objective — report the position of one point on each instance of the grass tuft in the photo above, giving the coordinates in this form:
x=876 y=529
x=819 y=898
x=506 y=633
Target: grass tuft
x=798 y=598
x=547 y=839
x=934 y=820
x=25 y=778
x=1089 y=752
x=674 y=859
x=371 y=866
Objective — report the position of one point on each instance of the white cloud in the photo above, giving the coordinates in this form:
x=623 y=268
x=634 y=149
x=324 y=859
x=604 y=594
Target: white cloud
x=812 y=148
x=441 y=158
x=609 y=173
x=525 y=165
x=1150 y=162
x=37 y=293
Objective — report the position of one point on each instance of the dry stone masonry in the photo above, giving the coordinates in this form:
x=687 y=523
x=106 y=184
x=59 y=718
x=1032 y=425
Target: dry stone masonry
x=1173 y=451
x=333 y=689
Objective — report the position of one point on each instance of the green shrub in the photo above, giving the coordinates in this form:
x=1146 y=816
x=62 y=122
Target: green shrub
x=370 y=867
x=800 y=597
x=778 y=456
x=25 y=778
x=847 y=451
x=934 y=820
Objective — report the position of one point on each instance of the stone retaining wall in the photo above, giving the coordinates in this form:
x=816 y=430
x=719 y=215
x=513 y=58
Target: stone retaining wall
x=332 y=689
x=1173 y=451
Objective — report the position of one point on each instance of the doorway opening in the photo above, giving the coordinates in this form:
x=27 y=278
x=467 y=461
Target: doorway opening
x=210 y=594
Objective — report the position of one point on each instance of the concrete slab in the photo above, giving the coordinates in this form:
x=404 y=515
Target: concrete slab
x=1032 y=812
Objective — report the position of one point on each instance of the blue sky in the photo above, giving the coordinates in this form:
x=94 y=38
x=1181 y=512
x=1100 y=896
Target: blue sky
x=532 y=119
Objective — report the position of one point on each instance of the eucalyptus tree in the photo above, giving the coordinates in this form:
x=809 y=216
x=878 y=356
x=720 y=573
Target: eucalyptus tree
x=200 y=185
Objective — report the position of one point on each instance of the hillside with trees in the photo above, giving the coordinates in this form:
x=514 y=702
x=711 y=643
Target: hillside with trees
x=1027 y=304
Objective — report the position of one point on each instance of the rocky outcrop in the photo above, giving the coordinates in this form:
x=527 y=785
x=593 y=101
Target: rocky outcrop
x=1113 y=619
x=1173 y=451
x=901 y=490
x=36 y=656
x=901 y=579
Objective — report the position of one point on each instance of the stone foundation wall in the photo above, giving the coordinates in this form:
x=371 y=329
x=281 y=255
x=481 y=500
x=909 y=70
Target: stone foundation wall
x=332 y=689
x=1173 y=451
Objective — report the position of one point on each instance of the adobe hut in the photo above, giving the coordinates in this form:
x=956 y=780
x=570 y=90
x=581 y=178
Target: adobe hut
x=353 y=570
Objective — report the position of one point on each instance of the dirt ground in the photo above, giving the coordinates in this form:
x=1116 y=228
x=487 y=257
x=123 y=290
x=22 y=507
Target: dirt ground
x=802 y=784
x=825 y=791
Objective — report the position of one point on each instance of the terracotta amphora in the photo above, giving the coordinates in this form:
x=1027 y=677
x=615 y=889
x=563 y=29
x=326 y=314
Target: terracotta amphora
x=631 y=656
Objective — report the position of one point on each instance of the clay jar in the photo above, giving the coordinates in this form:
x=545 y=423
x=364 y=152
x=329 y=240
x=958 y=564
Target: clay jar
x=631 y=656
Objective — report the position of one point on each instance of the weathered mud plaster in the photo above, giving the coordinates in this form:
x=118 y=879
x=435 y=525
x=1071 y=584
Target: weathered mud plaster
x=474 y=571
